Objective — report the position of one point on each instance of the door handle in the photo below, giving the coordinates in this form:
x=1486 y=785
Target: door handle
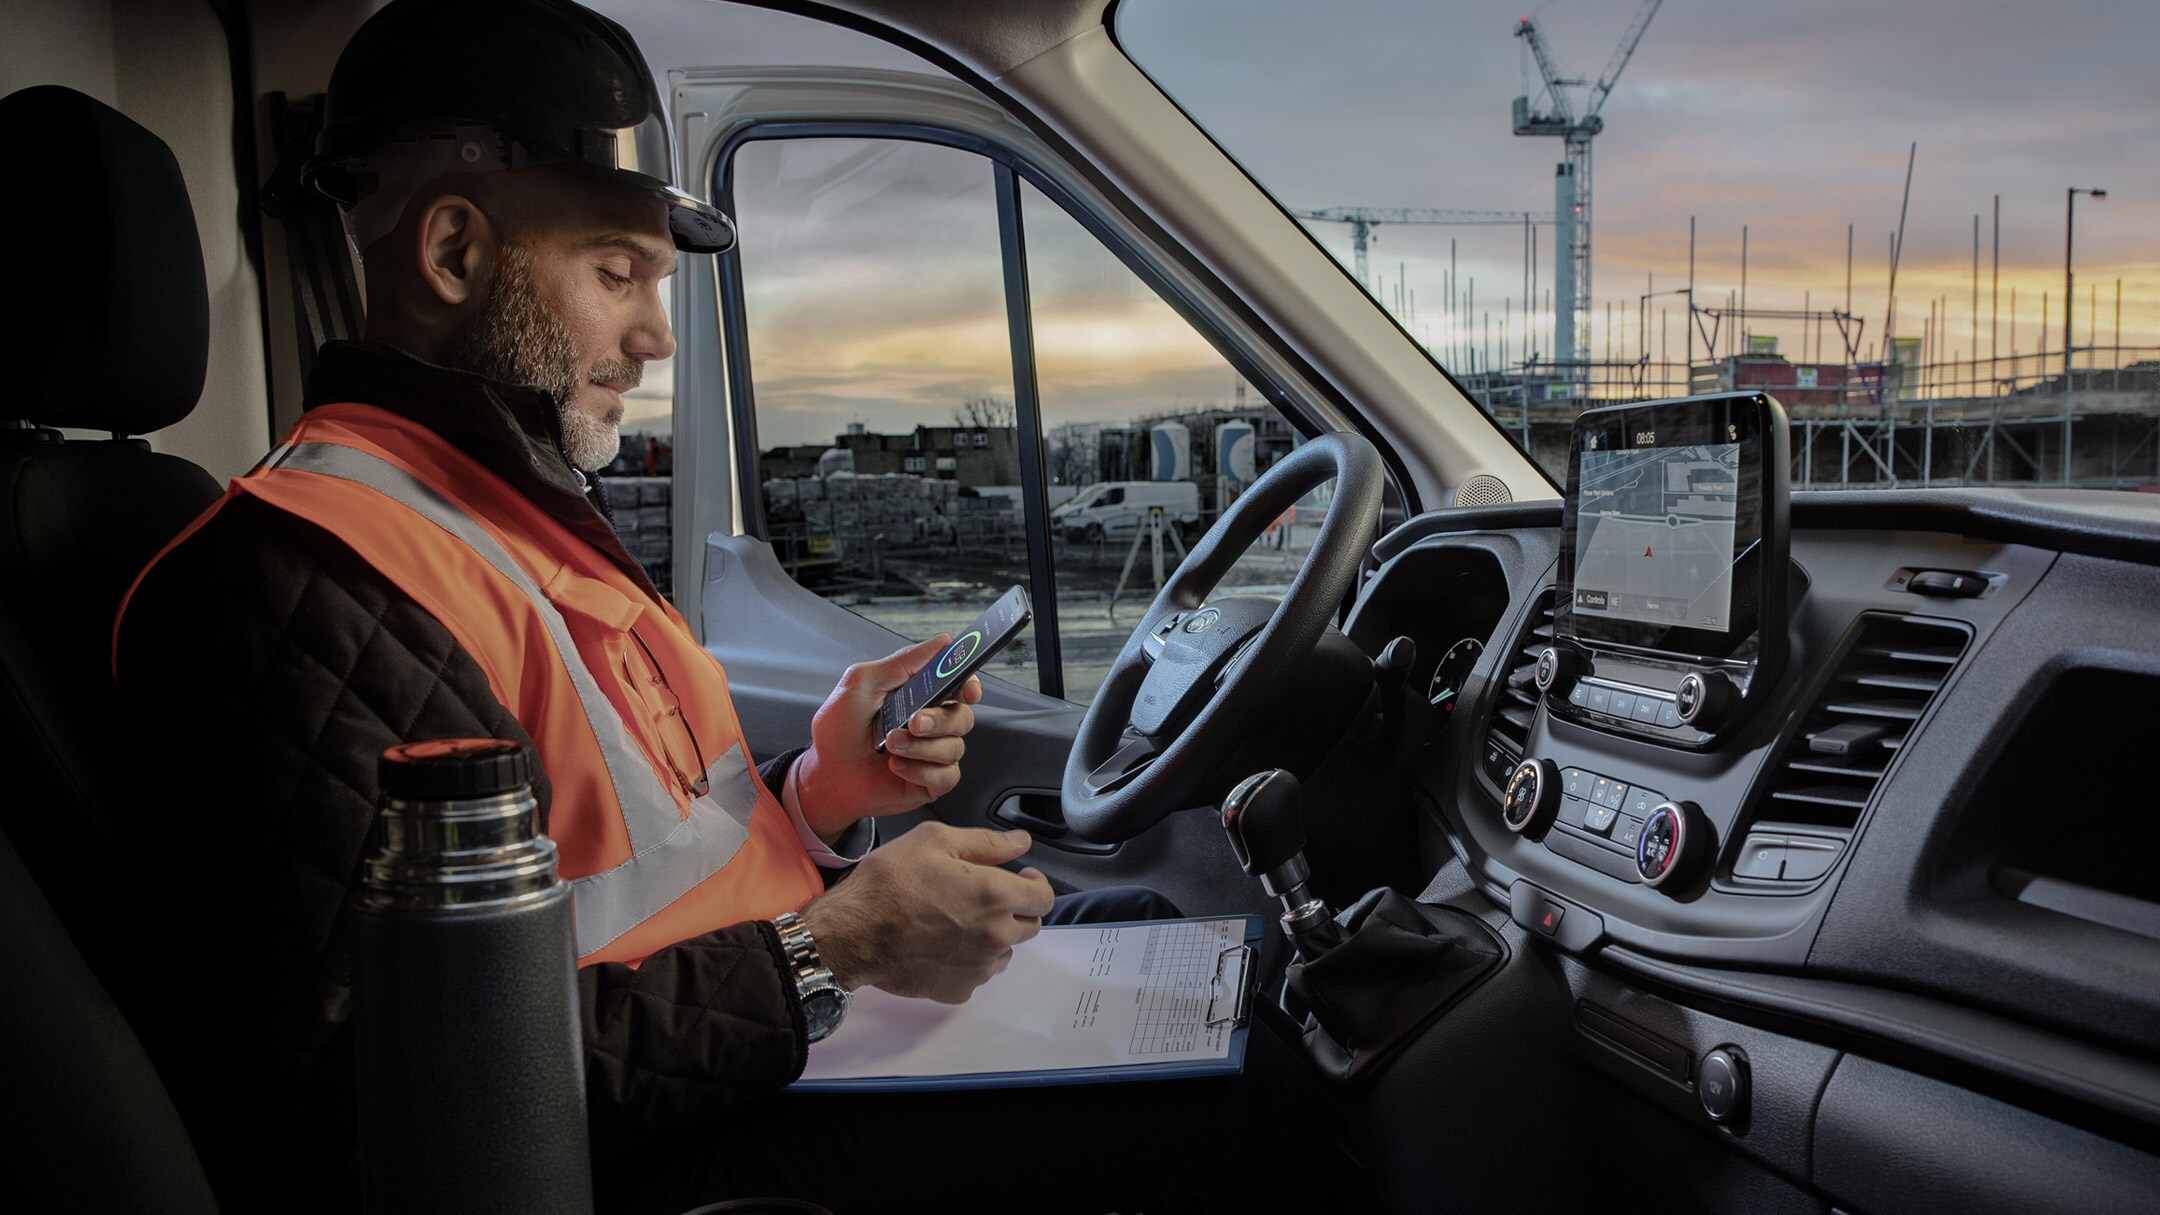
x=1042 y=814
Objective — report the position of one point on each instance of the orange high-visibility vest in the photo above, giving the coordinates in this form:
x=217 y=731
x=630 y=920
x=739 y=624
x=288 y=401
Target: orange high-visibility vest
x=661 y=823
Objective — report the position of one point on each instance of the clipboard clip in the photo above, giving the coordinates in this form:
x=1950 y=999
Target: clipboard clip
x=1239 y=988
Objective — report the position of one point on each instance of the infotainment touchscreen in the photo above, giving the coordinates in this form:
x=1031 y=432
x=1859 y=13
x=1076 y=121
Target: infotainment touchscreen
x=1673 y=534
x=1654 y=535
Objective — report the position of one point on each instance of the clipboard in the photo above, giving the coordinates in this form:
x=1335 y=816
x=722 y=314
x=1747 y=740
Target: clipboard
x=1023 y=1028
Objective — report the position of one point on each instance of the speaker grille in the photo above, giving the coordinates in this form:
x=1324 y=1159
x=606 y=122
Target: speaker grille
x=1482 y=490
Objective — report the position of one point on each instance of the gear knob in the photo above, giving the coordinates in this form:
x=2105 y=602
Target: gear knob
x=1265 y=819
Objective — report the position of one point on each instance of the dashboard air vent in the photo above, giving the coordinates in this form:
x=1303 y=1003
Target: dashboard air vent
x=1880 y=690
x=1516 y=706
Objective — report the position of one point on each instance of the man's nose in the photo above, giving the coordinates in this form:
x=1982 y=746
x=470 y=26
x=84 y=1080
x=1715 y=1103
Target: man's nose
x=651 y=337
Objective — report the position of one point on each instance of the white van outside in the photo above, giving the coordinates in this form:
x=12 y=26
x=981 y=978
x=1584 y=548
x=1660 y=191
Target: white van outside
x=1114 y=509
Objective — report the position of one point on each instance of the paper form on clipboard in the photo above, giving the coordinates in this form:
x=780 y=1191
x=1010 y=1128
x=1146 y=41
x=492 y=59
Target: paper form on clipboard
x=1080 y=1003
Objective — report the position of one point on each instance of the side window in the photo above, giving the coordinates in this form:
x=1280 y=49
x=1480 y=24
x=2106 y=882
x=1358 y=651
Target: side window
x=874 y=302
x=880 y=364
x=1149 y=434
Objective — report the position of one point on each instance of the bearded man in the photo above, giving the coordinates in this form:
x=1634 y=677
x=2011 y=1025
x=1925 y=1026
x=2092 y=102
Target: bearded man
x=426 y=556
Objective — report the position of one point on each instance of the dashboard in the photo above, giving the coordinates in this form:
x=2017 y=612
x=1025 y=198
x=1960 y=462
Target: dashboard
x=1918 y=827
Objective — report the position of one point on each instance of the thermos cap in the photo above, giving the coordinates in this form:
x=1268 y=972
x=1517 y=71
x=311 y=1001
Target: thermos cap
x=453 y=769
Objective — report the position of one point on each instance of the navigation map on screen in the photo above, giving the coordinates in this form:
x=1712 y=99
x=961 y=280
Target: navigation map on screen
x=1654 y=535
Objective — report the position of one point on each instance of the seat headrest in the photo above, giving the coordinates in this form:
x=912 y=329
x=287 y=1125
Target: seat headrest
x=102 y=244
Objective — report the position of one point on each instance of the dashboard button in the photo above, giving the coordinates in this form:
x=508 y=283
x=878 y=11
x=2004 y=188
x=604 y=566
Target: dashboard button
x=1627 y=832
x=1575 y=810
x=1575 y=782
x=1579 y=696
x=1558 y=667
x=1623 y=704
x=1668 y=716
x=1646 y=708
x=1763 y=857
x=1640 y=802
x=1947 y=584
x=1549 y=915
x=1599 y=818
x=1706 y=699
x=1600 y=700
x=1612 y=796
x=1808 y=858
x=1721 y=1082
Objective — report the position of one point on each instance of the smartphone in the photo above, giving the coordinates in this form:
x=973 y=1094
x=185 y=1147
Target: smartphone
x=971 y=648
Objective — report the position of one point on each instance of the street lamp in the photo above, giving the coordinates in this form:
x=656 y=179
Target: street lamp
x=2069 y=231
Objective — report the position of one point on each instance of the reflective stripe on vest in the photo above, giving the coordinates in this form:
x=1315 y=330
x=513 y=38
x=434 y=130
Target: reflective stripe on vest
x=670 y=852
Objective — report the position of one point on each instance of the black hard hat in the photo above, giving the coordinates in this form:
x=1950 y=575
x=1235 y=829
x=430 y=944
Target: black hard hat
x=562 y=83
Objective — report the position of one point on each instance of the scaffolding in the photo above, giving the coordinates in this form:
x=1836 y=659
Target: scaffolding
x=2017 y=420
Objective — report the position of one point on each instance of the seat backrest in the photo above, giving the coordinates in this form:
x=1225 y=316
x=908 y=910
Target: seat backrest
x=118 y=343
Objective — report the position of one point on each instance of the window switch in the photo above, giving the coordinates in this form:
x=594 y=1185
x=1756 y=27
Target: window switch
x=1947 y=584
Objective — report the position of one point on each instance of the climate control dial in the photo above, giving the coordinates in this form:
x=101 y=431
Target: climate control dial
x=1533 y=794
x=1675 y=841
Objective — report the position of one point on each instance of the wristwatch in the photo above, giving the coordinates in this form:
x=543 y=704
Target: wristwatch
x=824 y=1000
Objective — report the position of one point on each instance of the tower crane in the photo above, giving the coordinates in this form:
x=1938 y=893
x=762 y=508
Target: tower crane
x=1363 y=220
x=1571 y=181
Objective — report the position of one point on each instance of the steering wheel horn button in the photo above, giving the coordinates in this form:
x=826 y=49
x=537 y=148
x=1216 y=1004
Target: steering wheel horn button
x=1186 y=664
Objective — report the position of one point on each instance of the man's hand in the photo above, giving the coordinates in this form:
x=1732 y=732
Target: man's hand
x=929 y=914
x=843 y=778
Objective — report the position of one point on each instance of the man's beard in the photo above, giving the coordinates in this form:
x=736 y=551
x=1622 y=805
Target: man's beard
x=518 y=340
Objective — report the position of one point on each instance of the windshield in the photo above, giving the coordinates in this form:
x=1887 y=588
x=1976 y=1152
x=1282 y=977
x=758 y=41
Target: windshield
x=1928 y=231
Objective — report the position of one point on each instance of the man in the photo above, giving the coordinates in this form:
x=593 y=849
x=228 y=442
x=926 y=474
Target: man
x=425 y=556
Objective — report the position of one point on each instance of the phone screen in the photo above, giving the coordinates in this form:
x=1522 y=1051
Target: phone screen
x=971 y=647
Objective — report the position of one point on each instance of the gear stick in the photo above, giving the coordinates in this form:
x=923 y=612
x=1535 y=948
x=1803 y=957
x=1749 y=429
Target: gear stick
x=1265 y=820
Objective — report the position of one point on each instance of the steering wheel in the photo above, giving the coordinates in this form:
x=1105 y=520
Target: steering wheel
x=1178 y=699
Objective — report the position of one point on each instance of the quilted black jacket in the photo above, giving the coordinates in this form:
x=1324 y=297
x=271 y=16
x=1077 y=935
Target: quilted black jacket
x=271 y=666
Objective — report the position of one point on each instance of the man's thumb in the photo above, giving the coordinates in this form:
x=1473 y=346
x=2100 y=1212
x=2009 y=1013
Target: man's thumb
x=986 y=847
x=886 y=674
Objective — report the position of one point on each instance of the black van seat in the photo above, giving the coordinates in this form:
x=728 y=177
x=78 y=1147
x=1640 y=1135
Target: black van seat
x=111 y=334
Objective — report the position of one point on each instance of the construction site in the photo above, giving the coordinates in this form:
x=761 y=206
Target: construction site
x=1901 y=397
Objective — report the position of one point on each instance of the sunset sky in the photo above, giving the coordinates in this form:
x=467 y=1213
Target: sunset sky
x=1792 y=119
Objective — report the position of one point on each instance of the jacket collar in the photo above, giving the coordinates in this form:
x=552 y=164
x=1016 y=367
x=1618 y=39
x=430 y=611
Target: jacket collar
x=513 y=431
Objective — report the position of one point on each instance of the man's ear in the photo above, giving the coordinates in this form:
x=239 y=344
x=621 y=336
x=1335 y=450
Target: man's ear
x=457 y=249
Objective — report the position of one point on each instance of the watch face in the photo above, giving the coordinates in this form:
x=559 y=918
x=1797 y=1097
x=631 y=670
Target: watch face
x=822 y=1010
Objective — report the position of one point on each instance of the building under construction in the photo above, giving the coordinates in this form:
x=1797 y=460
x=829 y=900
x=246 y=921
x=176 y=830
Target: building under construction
x=2022 y=420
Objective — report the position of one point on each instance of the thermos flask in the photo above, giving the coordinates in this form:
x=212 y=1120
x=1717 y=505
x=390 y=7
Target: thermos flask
x=470 y=1068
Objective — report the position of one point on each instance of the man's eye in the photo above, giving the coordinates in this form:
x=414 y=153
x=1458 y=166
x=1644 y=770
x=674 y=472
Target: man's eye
x=619 y=280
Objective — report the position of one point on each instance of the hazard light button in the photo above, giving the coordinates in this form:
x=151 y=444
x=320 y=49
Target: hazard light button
x=1549 y=915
